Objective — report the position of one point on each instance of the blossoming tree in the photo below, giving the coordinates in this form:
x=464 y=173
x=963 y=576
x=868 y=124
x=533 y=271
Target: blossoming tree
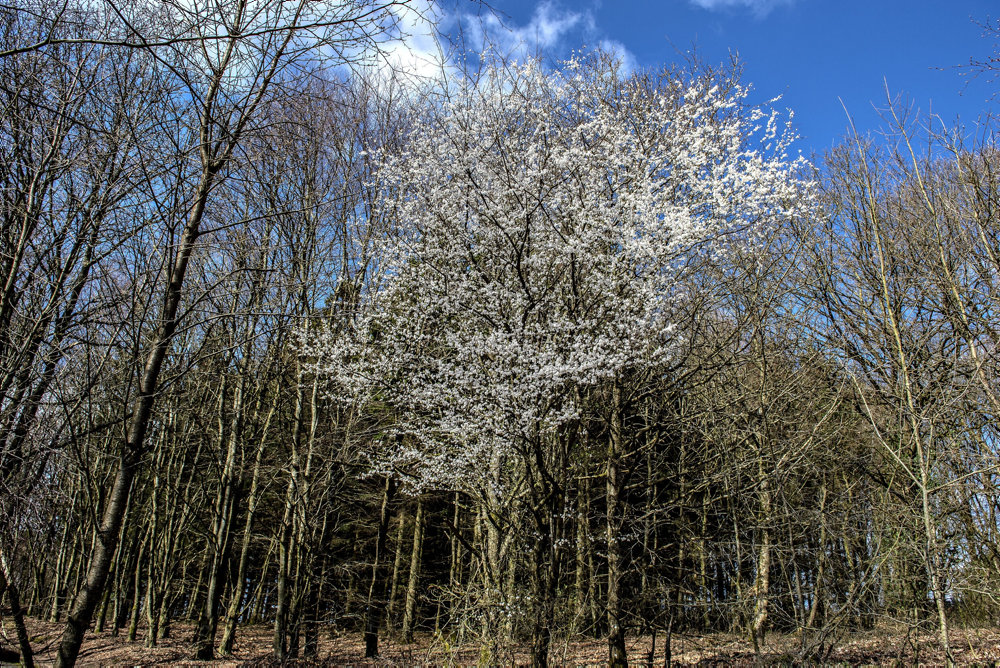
x=544 y=220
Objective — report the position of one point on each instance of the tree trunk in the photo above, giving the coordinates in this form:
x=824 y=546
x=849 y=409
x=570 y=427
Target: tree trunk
x=761 y=589
x=377 y=591
x=581 y=617
x=57 y=585
x=817 y=593
x=543 y=593
x=455 y=562
x=82 y=611
x=133 y=624
x=397 y=568
x=225 y=504
x=17 y=614
x=762 y=582
x=411 y=587
x=617 y=658
x=286 y=538
x=235 y=603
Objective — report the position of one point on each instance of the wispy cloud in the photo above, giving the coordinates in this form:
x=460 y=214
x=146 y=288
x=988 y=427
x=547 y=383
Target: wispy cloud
x=550 y=24
x=758 y=7
x=552 y=30
x=624 y=56
x=546 y=30
x=418 y=51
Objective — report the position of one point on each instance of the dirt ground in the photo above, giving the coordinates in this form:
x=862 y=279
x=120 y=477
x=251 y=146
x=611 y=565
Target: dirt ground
x=885 y=647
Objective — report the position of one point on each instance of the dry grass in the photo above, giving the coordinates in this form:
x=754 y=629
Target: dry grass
x=885 y=647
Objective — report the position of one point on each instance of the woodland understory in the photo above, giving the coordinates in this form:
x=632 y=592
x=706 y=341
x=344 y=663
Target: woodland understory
x=886 y=645
x=304 y=359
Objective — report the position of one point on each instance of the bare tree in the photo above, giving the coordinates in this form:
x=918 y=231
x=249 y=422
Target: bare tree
x=226 y=68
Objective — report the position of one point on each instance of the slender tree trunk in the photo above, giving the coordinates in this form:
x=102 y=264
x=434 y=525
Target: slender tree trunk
x=133 y=624
x=221 y=535
x=280 y=641
x=455 y=563
x=17 y=614
x=57 y=584
x=236 y=602
x=317 y=579
x=376 y=592
x=931 y=557
x=761 y=590
x=36 y=590
x=817 y=593
x=397 y=568
x=617 y=658
x=582 y=576
x=411 y=587
x=125 y=583
x=102 y=611
x=545 y=512
x=260 y=597
x=82 y=611
x=303 y=551
x=762 y=582
x=286 y=540
x=541 y=631
x=544 y=573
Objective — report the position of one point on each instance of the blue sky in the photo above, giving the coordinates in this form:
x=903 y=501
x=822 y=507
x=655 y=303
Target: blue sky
x=814 y=53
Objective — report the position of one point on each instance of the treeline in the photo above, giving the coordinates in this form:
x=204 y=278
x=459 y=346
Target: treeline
x=545 y=352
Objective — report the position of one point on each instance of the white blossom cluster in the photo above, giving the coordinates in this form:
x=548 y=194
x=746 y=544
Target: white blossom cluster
x=543 y=218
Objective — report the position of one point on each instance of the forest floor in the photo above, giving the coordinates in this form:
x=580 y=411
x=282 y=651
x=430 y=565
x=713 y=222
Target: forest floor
x=884 y=647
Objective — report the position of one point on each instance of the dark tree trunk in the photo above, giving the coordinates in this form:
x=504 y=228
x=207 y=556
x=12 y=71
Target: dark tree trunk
x=377 y=591
x=23 y=641
x=409 y=612
x=617 y=658
x=82 y=611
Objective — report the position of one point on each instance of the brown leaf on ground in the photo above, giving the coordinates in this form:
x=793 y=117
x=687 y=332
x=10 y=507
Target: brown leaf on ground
x=880 y=647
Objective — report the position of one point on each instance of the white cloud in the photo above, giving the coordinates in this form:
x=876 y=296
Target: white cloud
x=548 y=26
x=758 y=7
x=418 y=53
x=624 y=56
x=552 y=30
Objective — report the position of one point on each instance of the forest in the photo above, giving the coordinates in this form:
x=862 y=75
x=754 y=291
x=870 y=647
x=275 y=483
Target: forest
x=523 y=354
